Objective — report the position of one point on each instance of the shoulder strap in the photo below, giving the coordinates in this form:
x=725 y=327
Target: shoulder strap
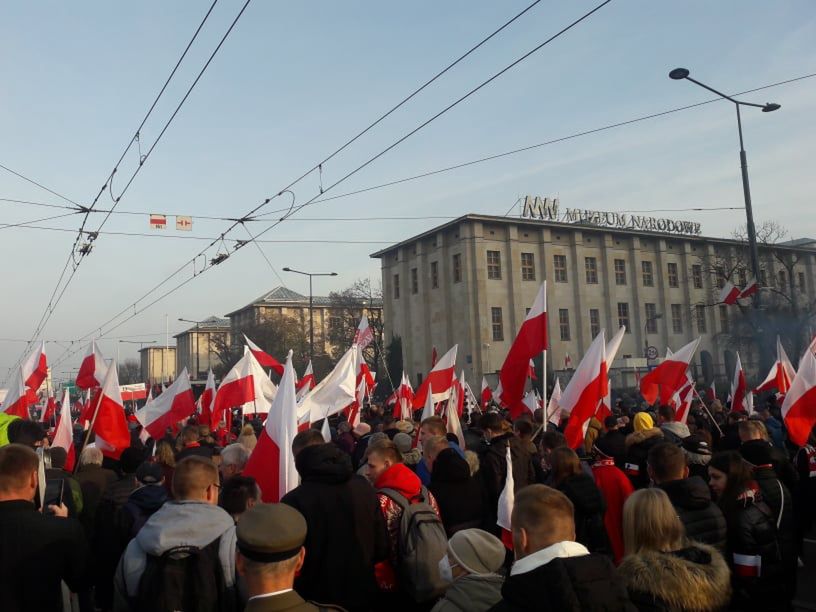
x=396 y=497
x=781 y=505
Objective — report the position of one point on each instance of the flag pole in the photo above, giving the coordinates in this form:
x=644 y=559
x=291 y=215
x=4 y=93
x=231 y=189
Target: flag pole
x=710 y=416
x=544 y=387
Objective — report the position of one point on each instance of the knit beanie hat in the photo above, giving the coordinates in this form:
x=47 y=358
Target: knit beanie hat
x=642 y=421
x=476 y=551
x=403 y=442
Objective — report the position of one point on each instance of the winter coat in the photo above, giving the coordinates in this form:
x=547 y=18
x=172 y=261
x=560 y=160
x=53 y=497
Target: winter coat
x=780 y=501
x=346 y=443
x=346 y=533
x=93 y=482
x=693 y=578
x=471 y=593
x=493 y=462
x=616 y=489
x=572 y=584
x=702 y=518
x=460 y=496
x=359 y=451
x=176 y=523
x=638 y=445
x=675 y=432
x=37 y=552
x=615 y=441
x=589 y=508
x=594 y=430
x=776 y=432
x=72 y=492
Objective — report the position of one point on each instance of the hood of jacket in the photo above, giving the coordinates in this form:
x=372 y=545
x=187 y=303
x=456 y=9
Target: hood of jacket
x=401 y=479
x=583 y=493
x=324 y=463
x=450 y=467
x=641 y=436
x=689 y=493
x=694 y=578
x=184 y=523
x=472 y=592
x=149 y=498
x=677 y=428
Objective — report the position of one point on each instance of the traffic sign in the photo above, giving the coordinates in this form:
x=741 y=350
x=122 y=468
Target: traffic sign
x=184 y=223
x=651 y=352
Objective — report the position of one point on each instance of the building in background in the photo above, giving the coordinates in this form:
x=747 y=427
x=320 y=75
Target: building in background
x=472 y=280
x=158 y=364
x=195 y=346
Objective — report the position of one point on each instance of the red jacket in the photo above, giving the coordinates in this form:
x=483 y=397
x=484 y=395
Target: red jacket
x=615 y=488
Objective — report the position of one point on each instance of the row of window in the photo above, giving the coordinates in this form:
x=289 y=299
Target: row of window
x=650 y=311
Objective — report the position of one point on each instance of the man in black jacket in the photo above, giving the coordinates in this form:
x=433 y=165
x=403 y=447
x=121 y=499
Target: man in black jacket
x=552 y=571
x=691 y=497
x=38 y=550
x=460 y=496
x=346 y=533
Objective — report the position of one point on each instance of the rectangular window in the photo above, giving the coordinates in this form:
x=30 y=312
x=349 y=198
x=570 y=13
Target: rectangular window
x=801 y=281
x=414 y=281
x=763 y=278
x=720 y=271
x=434 y=274
x=701 y=319
x=673 y=279
x=563 y=323
x=697 y=276
x=620 y=271
x=396 y=286
x=494 y=265
x=457 y=268
x=651 y=318
x=648 y=273
x=783 y=280
x=527 y=267
x=594 y=322
x=496 y=321
x=743 y=278
x=560 y=265
x=591 y=267
x=677 y=318
x=724 y=319
x=623 y=315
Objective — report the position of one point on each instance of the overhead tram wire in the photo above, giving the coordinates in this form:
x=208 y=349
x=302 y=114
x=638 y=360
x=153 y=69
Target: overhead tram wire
x=40 y=185
x=294 y=209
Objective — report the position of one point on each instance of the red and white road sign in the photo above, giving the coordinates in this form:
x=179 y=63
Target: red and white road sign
x=158 y=221
x=183 y=223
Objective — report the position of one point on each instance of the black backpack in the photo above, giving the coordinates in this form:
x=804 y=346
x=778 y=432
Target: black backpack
x=184 y=578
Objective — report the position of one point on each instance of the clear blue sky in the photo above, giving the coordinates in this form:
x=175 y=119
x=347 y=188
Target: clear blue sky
x=295 y=79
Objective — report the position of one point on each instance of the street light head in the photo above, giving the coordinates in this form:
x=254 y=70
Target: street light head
x=678 y=74
x=287 y=269
x=771 y=107
x=333 y=274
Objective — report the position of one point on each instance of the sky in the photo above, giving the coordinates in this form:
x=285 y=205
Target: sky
x=294 y=80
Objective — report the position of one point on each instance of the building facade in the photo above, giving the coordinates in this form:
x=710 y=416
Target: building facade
x=195 y=346
x=472 y=280
x=158 y=364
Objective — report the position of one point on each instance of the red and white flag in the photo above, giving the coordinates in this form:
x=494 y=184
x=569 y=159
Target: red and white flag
x=459 y=390
x=50 y=409
x=246 y=386
x=682 y=400
x=507 y=500
x=439 y=381
x=333 y=393
x=530 y=401
x=711 y=392
x=207 y=399
x=750 y=289
x=747 y=566
x=799 y=407
x=487 y=393
x=585 y=390
x=554 y=404
x=92 y=370
x=405 y=398
x=364 y=334
x=16 y=401
x=567 y=362
x=428 y=408
x=605 y=407
x=305 y=384
x=64 y=434
x=35 y=368
x=272 y=463
x=175 y=404
x=781 y=374
x=739 y=388
x=529 y=342
x=265 y=359
x=109 y=424
x=453 y=424
x=729 y=294
x=531 y=371
x=668 y=377
x=355 y=408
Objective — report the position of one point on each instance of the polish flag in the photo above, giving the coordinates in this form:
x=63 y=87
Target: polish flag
x=35 y=368
x=781 y=374
x=585 y=390
x=530 y=401
x=364 y=334
x=682 y=400
x=108 y=422
x=567 y=362
x=459 y=388
x=247 y=386
x=711 y=392
x=92 y=370
x=175 y=404
x=16 y=401
x=729 y=294
x=355 y=408
x=207 y=399
x=333 y=393
x=265 y=359
x=439 y=381
x=605 y=407
x=50 y=410
x=453 y=424
x=405 y=398
x=428 y=409
x=64 y=435
x=305 y=384
x=272 y=463
x=506 y=501
x=750 y=289
x=739 y=388
x=487 y=393
x=530 y=341
x=554 y=405
x=669 y=376
x=799 y=407
x=531 y=371
x=747 y=566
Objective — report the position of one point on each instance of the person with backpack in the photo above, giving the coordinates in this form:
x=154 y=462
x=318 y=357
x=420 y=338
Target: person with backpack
x=416 y=536
x=183 y=558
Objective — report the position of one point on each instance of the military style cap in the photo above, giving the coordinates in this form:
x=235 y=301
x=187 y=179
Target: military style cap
x=271 y=532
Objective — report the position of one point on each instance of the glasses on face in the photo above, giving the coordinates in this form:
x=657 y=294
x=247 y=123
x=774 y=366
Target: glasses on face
x=216 y=485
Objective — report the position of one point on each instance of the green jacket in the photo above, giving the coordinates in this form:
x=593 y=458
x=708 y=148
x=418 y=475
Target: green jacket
x=5 y=420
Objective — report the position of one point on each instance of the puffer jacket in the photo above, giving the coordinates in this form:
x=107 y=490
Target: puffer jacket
x=471 y=593
x=703 y=520
x=693 y=578
x=589 y=508
x=638 y=445
x=460 y=496
x=493 y=469
x=675 y=432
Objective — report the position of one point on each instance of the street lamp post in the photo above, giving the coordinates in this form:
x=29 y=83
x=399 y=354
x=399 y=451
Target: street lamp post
x=311 y=316
x=679 y=74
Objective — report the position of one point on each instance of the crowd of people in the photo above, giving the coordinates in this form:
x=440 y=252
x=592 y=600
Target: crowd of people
x=647 y=514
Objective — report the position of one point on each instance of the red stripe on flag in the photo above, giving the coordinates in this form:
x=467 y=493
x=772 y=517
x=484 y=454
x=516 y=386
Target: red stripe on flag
x=264 y=467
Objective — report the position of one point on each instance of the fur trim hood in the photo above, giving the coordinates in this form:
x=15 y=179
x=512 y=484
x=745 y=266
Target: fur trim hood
x=641 y=436
x=694 y=578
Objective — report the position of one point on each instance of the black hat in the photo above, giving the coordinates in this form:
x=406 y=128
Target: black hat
x=756 y=452
x=697 y=445
x=149 y=473
x=268 y=533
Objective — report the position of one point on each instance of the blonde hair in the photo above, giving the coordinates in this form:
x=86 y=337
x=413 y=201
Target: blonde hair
x=248 y=438
x=164 y=453
x=650 y=523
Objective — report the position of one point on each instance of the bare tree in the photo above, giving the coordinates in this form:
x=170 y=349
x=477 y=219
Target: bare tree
x=130 y=372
